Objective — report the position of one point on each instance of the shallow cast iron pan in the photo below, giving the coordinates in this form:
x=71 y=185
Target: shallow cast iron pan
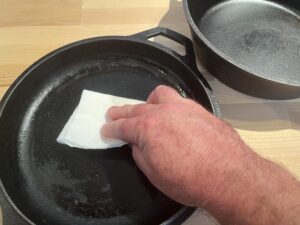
x=251 y=45
x=50 y=183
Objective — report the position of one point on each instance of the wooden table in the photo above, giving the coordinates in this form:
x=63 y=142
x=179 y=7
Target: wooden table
x=30 y=29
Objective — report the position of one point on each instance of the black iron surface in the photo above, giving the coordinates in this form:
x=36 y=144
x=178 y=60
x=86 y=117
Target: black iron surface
x=251 y=45
x=9 y=215
x=50 y=183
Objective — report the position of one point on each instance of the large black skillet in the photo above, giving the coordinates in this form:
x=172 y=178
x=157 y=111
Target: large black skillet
x=50 y=183
x=250 y=45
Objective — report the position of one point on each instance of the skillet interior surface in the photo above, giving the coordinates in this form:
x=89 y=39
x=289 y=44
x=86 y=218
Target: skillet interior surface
x=261 y=37
x=54 y=184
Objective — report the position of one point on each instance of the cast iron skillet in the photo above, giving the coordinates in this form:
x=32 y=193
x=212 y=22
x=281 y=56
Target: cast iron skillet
x=50 y=183
x=250 y=45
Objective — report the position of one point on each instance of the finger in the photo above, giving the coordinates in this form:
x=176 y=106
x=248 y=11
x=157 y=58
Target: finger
x=128 y=111
x=122 y=129
x=163 y=94
x=139 y=159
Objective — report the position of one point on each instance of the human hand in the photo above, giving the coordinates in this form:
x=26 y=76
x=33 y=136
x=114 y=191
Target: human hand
x=181 y=147
x=199 y=160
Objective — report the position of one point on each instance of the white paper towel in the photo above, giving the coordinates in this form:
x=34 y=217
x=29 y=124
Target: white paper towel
x=83 y=127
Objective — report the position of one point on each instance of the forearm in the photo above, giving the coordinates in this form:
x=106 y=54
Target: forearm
x=262 y=193
x=204 y=162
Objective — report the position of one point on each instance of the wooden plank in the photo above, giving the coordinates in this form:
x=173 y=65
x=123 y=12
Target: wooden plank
x=30 y=29
x=121 y=16
x=39 y=12
x=133 y=12
x=121 y=4
x=281 y=146
x=8 y=73
x=3 y=90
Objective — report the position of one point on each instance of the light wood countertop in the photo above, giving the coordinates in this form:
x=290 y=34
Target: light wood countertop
x=30 y=29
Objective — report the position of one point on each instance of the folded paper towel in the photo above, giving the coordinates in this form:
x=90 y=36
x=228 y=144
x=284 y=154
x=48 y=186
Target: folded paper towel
x=83 y=127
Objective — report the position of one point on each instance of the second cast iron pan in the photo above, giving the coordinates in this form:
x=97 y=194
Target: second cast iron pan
x=250 y=45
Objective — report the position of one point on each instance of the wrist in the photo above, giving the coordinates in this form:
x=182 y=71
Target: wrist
x=259 y=192
x=223 y=179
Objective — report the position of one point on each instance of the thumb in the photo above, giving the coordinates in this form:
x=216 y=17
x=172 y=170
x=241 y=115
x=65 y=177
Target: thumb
x=164 y=94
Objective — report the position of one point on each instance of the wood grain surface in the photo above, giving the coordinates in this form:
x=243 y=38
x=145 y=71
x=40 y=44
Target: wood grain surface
x=30 y=29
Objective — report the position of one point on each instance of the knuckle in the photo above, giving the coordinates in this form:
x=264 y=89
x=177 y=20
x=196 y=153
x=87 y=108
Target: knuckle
x=161 y=90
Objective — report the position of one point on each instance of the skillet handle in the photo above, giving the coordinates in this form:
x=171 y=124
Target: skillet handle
x=188 y=58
